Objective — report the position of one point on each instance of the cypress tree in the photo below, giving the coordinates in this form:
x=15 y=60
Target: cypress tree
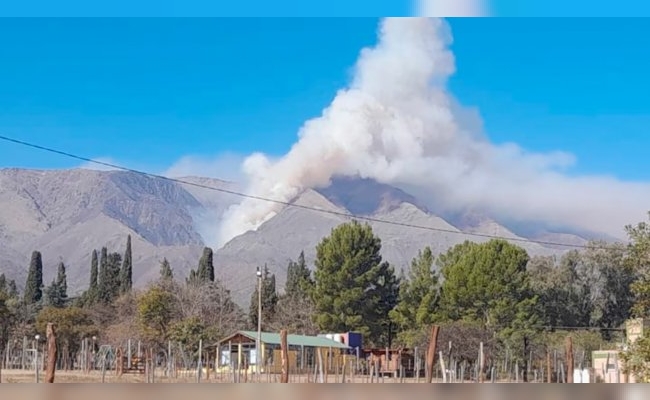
x=34 y=284
x=126 y=274
x=3 y=283
x=298 y=278
x=12 y=289
x=112 y=283
x=166 y=272
x=94 y=274
x=62 y=282
x=103 y=283
x=206 y=267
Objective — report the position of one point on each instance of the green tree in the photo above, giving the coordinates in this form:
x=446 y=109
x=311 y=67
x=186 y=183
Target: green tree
x=72 y=325
x=12 y=289
x=419 y=296
x=34 y=284
x=7 y=315
x=56 y=294
x=636 y=358
x=91 y=295
x=269 y=301
x=611 y=284
x=109 y=276
x=488 y=283
x=354 y=290
x=189 y=332
x=94 y=272
x=155 y=313
x=126 y=273
x=299 y=281
x=295 y=307
x=166 y=272
x=638 y=259
x=206 y=268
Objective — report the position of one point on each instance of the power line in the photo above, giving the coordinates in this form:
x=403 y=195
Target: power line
x=289 y=204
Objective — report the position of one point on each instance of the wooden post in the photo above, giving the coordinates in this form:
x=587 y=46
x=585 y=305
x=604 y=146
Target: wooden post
x=51 y=352
x=120 y=362
x=285 y=356
x=548 y=367
x=569 y=359
x=431 y=352
x=481 y=363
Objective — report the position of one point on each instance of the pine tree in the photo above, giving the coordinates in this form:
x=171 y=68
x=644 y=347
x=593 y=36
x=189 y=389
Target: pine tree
x=94 y=272
x=166 y=272
x=3 y=283
x=34 y=284
x=126 y=274
x=269 y=301
x=354 y=290
x=205 y=271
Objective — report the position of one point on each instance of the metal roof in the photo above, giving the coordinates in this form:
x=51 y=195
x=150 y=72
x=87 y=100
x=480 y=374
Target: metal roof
x=292 y=340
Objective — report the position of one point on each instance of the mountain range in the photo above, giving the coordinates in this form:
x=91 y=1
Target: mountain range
x=65 y=214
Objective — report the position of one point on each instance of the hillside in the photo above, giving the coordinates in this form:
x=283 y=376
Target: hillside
x=66 y=214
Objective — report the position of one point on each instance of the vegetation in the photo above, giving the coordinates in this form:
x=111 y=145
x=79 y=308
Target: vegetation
x=490 y=292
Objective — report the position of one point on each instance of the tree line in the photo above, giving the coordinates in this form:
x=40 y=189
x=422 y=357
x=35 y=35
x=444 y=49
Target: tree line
x=491 y=292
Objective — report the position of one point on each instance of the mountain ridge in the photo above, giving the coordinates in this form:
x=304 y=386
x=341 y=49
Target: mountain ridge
x=68 y=213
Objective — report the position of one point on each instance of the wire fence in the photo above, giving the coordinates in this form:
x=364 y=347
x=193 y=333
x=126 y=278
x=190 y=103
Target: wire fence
x=132 y=361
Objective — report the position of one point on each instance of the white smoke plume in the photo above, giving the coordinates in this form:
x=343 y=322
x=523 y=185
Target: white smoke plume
x=397 y=124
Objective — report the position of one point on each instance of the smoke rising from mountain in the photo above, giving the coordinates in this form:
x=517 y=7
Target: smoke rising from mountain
x=397 y=124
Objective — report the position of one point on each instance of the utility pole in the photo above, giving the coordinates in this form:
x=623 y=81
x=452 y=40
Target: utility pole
x=258 y=345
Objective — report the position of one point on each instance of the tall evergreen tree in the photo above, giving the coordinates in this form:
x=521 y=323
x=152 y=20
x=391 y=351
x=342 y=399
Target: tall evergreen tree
x=269 y=301
x=114 y=267
x=103 y=261
x=56 y=294
x=94 y=272
x=126 y=273
x=295 y=307
x=62 y=281
x=299 y=280
x=109 y=276
x=12 y=289
x=166 y=272
x=3 y=283
x=419 y=296
x=206 y=268
x=354 y=289
x=34 y=284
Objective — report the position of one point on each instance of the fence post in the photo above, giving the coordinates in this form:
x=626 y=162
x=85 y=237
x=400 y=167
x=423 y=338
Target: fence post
x=481 y=363
x=50 y=334
x=431 y=352
x=569 y=359
x=199 y=366
x=285 y=356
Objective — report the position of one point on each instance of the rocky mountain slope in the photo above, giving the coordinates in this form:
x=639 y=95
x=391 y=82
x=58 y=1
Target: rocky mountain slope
x=67 y=213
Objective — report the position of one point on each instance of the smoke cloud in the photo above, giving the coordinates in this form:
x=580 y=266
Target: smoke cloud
x=396 y=123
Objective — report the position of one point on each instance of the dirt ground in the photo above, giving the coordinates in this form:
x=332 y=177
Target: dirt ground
x=23 y=376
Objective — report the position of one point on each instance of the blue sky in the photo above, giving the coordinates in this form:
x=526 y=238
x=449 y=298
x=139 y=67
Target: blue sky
x=147 y=92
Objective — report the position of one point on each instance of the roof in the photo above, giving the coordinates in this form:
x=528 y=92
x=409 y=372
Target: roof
x=292 y=340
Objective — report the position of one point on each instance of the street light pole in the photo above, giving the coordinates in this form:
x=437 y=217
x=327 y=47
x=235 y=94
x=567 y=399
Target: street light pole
x=258 y=345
